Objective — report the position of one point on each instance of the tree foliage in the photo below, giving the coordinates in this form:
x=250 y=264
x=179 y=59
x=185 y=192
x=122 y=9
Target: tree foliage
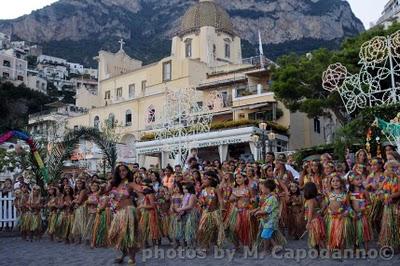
x=297 y=80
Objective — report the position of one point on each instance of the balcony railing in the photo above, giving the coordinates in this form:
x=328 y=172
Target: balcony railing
x=257 y=60
x=388 y=14
x=243 y=91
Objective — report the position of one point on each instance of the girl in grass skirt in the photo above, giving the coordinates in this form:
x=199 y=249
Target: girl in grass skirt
x=52 y=207
x=80 y=212
x=360 y=202
x=226 y=188
x=149 y=224
x=175 y=226
x=163 y=207
x=91 y=205
x=189 y=214
x=340 y=228
x=67 y=215
x=389 y=234
x=102 y=223
x=374 y=187
x=211 y=228
x=315 y=224
x=35 y=206
x=241 y=226
x=123 y=233
x=296 y=225
x=25 y=216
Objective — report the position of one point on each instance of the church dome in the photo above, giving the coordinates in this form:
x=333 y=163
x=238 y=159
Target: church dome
x=206 y=13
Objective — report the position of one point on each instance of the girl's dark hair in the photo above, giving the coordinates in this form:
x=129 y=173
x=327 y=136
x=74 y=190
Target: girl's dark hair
x=190 y=188
x=149 y=188
x=95 y=176
x=76 y=191
x=310 y=191
x=270 y=184
x=213 y=177
x=246 y=179
x=169 y=167
x=71 y=192
x=198 y=178
x=157 y=175
x=117 y=177
x=297 y=193
x=179 y=185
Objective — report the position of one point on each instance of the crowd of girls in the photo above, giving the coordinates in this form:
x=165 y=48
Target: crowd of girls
x=233 y=203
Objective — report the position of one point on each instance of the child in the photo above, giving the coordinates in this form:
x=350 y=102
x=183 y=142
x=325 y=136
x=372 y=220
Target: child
x=24 y=211
x=163 y=207
x=80 y=213
x=360 y=202
x=295 y=212
x=340 y=230
x=374 y=187
x=101 y=223
x=315 y=224
x=226 y=187
x=268 y=213
x=148 y=224
x=189 y=214
x=67 y=216
x=175 y=229
x=91 y=204
x=35 y=206
x=52 y=207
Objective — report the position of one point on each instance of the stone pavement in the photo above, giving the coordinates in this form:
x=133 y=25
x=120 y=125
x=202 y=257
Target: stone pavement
x=14 y=251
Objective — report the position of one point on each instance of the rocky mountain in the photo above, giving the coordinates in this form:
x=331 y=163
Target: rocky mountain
x=77 y=29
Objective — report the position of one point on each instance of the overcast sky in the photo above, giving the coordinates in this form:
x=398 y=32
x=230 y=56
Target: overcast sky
x=367 y=10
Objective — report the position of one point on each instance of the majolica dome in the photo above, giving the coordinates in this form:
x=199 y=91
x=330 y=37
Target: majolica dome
x=206 y=13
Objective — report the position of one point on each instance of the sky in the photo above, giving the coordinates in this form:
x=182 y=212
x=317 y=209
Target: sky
x=366 y=10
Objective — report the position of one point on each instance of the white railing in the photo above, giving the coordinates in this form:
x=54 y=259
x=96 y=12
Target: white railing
x=8 y=213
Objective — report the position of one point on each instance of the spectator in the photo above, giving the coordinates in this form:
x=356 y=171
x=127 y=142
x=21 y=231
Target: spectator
x=20 y=181
x=7 y=187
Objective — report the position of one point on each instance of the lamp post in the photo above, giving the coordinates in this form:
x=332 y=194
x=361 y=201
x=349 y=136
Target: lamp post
x=271 y=137
x=263 y=127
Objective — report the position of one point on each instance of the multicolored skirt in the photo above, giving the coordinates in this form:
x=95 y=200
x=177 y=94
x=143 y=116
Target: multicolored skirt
x=123 y=233
x=296 y=226
x=164 y=223
x=88 y=233
x=52 y=222
x=35 y=222
x=190 y=223
x=278 y=238
x=241 y=227
x=316 y=232
x=67 y=220
x=389 y=235
x=340 y=231
x=25 y=221
x=79 y=226
x=376 y=213
x=175 y=231
x=363 y=228
x=101 y=226
x=149 y=226
x=211 y=229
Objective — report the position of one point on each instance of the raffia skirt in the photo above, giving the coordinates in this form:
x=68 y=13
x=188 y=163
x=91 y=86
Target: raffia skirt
x=316 y=232
x=123 y=233
x=25 y=221
x=340 y=231
x=190 y=223
x=88 y=233
x=79 y=226
x=389 y=235
x=211 y=229
x=242 y=227
x=52 y=221
x=35 y=222
x=101 y=227
x=149 y=226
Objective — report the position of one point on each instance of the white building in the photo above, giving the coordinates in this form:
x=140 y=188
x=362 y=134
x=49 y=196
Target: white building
x=47 y=59
x=75 y=68
x=4 y=41
x=13 y=68
x=36 y=81
x=390 y=14
x=93 y=73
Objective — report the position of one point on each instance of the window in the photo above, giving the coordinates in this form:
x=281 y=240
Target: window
x=96 y=122
x=225 y=100
x=76 y=128
x=119 y=93
x=131 y=91
x=6 y=63
x=107 y=95
x=20 y=78
x=144 y=87
x=188 y=48
x=151 y=114
x=317 y=125
x=37 y=84
x=111 y=120
x=167 y=71
x=6 y=75
x=227 y=50
x=214 y=51
x=128 y=118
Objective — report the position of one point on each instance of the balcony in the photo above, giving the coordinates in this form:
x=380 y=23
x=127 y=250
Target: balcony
x=257 y=60
x=248 y=91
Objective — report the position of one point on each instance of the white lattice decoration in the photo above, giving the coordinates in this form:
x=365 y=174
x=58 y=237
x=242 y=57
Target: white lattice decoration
x=181 y=118
x=380 y=66
x=215 y=101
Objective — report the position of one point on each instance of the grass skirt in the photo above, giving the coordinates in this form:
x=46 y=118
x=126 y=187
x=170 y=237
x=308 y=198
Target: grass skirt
x=363 y=228
x=101 y=226
x=164 y=223
x=149 y=226
x=25 y=221
x=296 y=226
x=211 y=229
x=389 y=235
x=316 y=232
x=340 y=232
x=241 y=227
x=123 y=233
x=175 y=231
x=190 y=223
x=79 y=226
x=376 y=213
x=67 y=220
x=52 y=221
x=35 y=222
x=88 y=233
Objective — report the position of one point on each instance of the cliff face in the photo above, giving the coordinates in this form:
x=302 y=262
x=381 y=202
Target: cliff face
x=77 y=29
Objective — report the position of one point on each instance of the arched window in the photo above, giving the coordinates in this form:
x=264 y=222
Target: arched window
x=128 y=118
x=111 y=120
x=227 y=50
x=151 y=114
x=96 y=122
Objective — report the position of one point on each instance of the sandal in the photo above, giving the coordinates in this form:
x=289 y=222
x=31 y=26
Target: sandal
x=131 y=262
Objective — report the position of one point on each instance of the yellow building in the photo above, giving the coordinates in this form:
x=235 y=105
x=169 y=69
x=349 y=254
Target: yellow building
x=206 y=55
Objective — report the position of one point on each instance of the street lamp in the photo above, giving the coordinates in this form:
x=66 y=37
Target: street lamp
x=271 y=137
x=263 y=127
